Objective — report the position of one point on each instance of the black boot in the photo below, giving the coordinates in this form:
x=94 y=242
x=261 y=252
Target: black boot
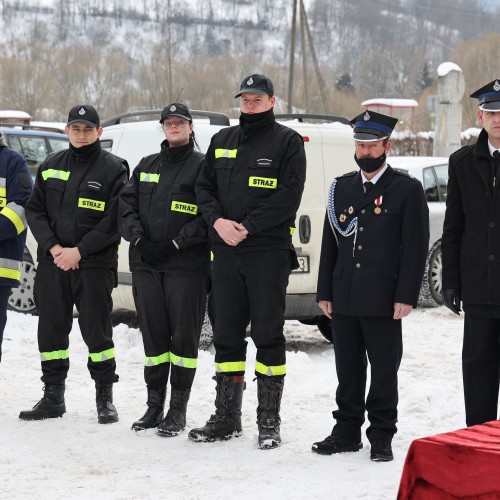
x=269 y=392
x=154 y=413
x=226 y=423
x=175 y=421
x=106 y=412
x=50 y=406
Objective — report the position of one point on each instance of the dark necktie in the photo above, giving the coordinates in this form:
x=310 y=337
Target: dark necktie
x=368 y=187
x=496 y=163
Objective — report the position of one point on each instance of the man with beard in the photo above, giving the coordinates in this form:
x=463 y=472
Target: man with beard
x=249 y=191
x=375 y=243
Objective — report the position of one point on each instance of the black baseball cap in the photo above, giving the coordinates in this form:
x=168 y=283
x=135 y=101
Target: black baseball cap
x=176 y=109
x=85 y=114
x=256 y=84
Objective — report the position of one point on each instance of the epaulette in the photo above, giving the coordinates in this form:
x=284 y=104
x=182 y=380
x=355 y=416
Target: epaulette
x=405 y=174
x=349 y=174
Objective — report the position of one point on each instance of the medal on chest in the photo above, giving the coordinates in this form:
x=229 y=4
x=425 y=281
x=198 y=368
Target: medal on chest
x=378 y=201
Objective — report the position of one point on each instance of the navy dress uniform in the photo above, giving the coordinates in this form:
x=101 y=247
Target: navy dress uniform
x=471 y=257
x=374 y=247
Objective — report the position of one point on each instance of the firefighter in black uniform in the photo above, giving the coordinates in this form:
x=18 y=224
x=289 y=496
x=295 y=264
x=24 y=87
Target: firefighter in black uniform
x=73 y=216
x=169 y=260
x=15 y=189
x=248 y=192
x=375 y=243
x=471 y=253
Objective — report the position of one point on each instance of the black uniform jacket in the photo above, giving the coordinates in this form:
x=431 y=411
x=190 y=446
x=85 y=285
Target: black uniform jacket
x=254 y=174
x=471 y=233
x=75 y=203
x=383 y=262
x=159 y=204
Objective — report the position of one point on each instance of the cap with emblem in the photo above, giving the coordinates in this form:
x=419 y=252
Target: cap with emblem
x=176 y=109
x=371 y=126
x=256 y=84
x=488 y=96
x=85 y=114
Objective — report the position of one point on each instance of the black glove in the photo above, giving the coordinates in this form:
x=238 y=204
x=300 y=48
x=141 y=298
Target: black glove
x=166 y=248
x=451 y=297
x=149 y=251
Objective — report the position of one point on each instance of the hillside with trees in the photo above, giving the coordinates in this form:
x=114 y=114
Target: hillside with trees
x=124 y=55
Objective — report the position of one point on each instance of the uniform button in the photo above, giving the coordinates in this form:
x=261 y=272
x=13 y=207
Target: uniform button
x=361 y=229
x=358 y=265
x=360 y=247
x=491 y=257
x=363 y=211
x=492 y=224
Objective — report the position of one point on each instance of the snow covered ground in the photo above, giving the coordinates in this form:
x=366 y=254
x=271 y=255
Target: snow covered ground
x=74 y=457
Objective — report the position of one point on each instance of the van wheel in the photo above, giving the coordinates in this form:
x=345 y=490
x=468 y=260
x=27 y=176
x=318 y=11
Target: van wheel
x=431 y=292
x=22 y=298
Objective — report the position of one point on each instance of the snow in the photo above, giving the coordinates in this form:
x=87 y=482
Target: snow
x=448 y=67
x=10 y=113
x=75 y=457
x=394 y=103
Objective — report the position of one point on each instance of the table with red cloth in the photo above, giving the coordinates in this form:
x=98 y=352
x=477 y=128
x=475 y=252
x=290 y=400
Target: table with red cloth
x=459 y=464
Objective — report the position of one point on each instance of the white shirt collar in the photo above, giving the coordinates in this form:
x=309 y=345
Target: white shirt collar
x=375 y=178
x=492 y=148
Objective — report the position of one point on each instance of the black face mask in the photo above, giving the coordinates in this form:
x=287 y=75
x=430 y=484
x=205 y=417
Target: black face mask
x=370 y=165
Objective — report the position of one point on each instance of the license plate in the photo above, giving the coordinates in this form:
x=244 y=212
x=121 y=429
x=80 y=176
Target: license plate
x=303 y=264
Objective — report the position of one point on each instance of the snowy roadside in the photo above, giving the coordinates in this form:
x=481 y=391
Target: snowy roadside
x=74 y=457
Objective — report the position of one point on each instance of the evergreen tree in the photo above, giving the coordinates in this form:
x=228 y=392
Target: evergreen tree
x=344 y=83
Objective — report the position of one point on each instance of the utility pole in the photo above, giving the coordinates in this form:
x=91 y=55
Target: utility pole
x=306 y=39
x=292 y=58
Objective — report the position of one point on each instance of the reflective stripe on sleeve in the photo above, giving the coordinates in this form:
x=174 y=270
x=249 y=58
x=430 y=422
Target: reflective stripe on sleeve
x=230 y=366
x=15 y=213
x=53 y=355
x=98 y=357
x=270 y=371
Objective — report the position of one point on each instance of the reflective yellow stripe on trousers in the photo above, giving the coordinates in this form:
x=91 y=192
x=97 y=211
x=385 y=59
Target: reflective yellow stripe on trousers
x=53 y=355
x=98 y=357
x=230 y=366
x=270 y=371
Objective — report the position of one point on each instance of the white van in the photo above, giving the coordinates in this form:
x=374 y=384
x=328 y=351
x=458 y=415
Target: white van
x=329 y=149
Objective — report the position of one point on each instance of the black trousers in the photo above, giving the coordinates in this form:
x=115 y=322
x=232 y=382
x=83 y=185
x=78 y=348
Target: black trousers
x=56 y=292
x=480 y=367
x=356 y=341
x=250 y=287
x=171 y=308
x=4 y=300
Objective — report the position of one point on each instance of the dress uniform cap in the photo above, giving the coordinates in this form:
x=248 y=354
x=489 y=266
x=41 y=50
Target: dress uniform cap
x=371 y=126
x=85 y=114
x=256 y=84
x=176 y=109
x=488 y=96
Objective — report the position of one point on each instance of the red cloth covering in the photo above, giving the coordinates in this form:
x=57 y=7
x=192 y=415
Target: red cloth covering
x=460 y=464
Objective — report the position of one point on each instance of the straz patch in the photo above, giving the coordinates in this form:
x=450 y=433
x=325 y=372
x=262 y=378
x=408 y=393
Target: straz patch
x=263 y=182
x=185 y=208
x=91 y=204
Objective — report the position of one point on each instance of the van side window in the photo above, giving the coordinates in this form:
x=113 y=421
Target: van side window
x=430 y=185
x=107 y=144
x=442 y=177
